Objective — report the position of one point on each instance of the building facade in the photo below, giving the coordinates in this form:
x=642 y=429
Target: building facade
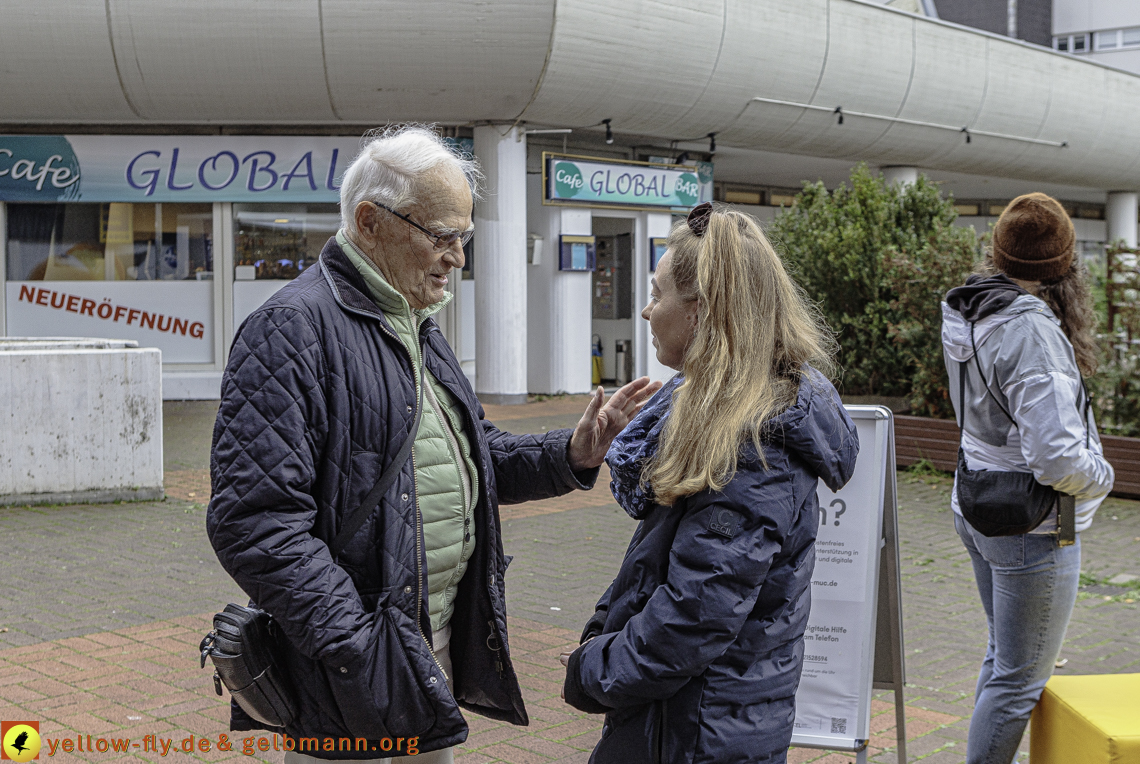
x=165 y=168
x=1106 y=31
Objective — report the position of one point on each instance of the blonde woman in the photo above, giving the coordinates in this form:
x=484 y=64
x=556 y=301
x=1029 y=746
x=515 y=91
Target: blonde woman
x=694 y=653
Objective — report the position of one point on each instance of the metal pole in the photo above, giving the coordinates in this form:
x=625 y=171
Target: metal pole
x=1011 y=19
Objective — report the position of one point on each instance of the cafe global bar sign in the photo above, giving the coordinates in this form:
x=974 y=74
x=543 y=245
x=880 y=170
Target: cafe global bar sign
x=574 y=180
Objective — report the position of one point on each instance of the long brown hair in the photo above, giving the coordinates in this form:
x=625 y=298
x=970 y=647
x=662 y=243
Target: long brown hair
x=755 y=332
x=1070 y=299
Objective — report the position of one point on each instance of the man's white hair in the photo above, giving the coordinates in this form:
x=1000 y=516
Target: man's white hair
x=390 y=166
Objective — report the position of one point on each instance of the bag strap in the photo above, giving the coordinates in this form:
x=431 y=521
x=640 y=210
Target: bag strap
x=372 y=499
x=983 y=376
x=1066 y=504
x=961 y=400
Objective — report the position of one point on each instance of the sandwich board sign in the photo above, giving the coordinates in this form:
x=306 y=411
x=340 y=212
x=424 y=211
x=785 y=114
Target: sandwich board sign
x=853 y=642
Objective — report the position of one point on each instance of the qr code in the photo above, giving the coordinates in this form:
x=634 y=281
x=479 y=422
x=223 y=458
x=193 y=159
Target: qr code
x=838 y=726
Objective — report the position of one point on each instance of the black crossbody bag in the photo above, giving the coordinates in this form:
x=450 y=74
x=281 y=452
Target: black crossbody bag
x=1000 y=503
x=244 y=644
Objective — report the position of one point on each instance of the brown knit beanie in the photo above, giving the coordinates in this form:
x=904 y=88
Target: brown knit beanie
x=1034 y=239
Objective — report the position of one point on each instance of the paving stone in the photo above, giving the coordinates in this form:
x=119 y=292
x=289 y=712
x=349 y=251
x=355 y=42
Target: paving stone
x=105 y=604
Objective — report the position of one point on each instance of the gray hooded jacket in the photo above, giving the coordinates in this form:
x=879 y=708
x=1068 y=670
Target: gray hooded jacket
x=1031 y=372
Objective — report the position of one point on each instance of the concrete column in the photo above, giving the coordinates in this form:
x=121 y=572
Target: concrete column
x=1121 y=217
x=571 y=313
x=500 y=267
x=906 y=176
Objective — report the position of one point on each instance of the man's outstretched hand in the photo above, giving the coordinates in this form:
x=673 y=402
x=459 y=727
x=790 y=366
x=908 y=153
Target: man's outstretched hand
x=601 y=423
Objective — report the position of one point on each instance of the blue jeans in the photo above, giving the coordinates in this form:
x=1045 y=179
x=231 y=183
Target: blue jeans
x=1028 y=586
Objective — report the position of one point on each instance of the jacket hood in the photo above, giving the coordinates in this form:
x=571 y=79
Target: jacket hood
x=817 y=429
x=983 y=296
x=989 y=303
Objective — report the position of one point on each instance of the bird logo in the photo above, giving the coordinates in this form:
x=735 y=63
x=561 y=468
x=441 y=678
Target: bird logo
x=21 y=741
x=18 y=743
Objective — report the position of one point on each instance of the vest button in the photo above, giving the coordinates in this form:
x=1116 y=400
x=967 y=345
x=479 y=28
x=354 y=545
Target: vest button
x=343 y=670
x=407 y=590
x=433 y=680
x=409 y=409
x=404 y=496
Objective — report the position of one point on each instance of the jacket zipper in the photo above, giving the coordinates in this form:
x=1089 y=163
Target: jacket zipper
x=419 y=515
x=419 y=567
x=655 y=743
x=418 y=377
x=461 y=471
x=493 y=635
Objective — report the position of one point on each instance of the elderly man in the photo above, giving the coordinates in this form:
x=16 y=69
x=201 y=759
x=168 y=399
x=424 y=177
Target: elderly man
x=387 y=637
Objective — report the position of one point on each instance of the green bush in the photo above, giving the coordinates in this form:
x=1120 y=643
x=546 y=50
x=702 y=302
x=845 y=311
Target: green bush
x=1115 y=388
x=878 y=258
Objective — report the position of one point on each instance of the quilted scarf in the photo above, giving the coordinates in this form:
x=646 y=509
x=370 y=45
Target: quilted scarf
x=635 y=445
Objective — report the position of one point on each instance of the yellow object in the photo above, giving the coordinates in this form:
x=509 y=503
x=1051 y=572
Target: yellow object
x=1087 y=720
x=598 y=368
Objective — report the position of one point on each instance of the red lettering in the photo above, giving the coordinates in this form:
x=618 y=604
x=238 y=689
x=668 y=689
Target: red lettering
x=119 y=311
x=162 y=328
x=87 y=308
x=197 y=330
x=147 y=320
x=73 y=303
x=132 y=314
x=179 y=326
x=42 y=296
x=62 y=300
x=27 y=293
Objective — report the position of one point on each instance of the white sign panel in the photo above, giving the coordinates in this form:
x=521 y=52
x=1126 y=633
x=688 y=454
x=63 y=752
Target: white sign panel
x=833 y=704
x=177 y=317
x=178 y=168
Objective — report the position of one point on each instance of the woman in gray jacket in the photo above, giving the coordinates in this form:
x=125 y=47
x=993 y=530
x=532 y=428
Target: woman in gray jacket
x=1019 y=334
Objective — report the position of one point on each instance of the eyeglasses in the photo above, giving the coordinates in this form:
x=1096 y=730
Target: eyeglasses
x=441 y=240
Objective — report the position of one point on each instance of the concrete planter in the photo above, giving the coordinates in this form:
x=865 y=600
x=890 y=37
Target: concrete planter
x=80 y=421
x=937 y=440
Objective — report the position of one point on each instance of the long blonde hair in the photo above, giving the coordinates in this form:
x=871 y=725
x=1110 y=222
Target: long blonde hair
x=755 y=332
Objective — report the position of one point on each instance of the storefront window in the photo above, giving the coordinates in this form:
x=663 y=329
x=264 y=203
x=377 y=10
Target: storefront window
x=140 y=272
x=279 y=241
x=110 y=242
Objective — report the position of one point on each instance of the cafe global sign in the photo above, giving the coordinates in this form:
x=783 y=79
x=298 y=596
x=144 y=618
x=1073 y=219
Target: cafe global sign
x=589 y=182
x=177 y=168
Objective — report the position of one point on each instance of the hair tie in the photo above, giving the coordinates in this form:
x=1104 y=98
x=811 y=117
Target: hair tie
x=698 y=219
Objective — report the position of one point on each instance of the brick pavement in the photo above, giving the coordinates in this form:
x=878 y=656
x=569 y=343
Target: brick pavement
x=105 y=605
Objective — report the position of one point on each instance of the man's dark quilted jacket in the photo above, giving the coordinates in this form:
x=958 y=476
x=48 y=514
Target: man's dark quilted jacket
x=317 y=398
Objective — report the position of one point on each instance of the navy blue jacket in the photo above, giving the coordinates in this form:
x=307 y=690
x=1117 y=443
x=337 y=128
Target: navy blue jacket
x=699 y=640
x=317 y=399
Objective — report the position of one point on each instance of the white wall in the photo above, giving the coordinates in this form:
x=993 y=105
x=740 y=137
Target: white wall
x=1071 y=16
x=466 y=307
x=80 y=420
x=542 y=62
x=558 y=303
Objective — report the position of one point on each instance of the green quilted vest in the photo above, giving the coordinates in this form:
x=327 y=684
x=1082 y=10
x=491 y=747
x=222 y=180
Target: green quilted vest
x=447 y=483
